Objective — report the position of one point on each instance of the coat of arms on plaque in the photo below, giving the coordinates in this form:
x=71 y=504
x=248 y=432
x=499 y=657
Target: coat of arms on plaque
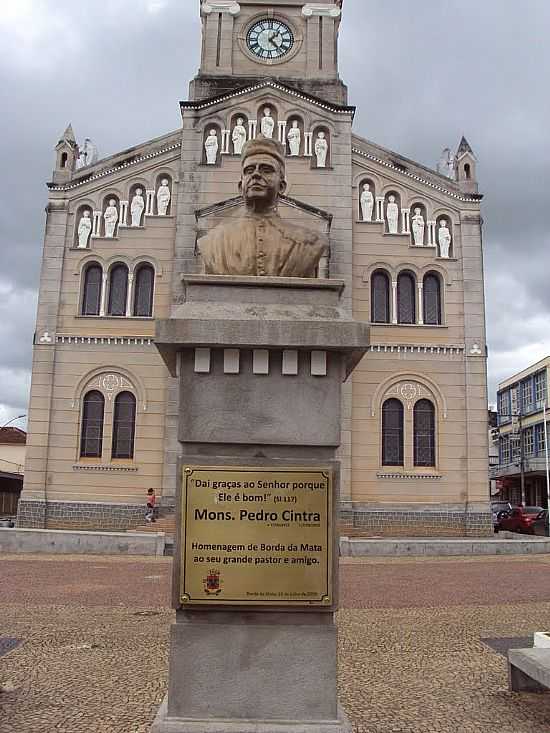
x=212 y=583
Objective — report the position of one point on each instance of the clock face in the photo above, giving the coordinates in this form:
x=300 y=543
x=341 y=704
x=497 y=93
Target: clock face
x=269 y=39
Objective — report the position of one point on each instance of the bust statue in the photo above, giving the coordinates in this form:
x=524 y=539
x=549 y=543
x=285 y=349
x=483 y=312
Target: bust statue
x=260 y=242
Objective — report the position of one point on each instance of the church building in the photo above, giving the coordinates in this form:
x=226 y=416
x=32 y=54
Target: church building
x=405 y=240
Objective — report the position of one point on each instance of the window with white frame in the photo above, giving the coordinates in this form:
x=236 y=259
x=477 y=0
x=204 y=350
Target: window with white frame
x=504 y=404
x=505 y=449
x=540 y=439
x=529 y=441
x=527 y=395
x=540 y=387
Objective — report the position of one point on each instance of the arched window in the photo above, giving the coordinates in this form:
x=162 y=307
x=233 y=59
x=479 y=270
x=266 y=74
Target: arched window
x=124 y=426
x=143 y=291
x=91 y=436
x=406 y=298
x=64 y=159
x=380 y=297
x=424 y=433
x=392 y=433
x=467 y=171
x=91 y=296
x=118 y=290
x=432 y=300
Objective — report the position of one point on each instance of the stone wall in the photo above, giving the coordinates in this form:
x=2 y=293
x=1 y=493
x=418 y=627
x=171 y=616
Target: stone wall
x=79 y=515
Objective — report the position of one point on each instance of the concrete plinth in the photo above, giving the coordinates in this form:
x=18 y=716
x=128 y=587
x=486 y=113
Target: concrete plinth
x=165 y=724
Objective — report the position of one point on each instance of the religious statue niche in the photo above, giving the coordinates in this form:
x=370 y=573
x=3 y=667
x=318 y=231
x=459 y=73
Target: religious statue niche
x=163 y=197
x=418 y=225
x=444 y=239
x=267 y=123
x=110 y=218
x=137 y=207
x=260 y=242
x=366 y=200
x=321 y=148
x=294 y=137
x=392 y=213
x=84 y=228
x=212 y=146
x=238 y=135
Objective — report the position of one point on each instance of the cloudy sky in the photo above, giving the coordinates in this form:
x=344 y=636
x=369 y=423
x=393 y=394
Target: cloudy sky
x=421 y=74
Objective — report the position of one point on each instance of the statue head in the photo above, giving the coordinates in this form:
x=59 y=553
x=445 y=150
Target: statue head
x=391 y=199
x=263 y=173
x=212 y=133
x=112 y=202
x=139 y=191
x=366 y=187
x=321 y=135
x=443 y=223
x=417 y=211
x=164 y=182
x=240 y=121
x=86 y=214
x=295 y=123
x=267 y=111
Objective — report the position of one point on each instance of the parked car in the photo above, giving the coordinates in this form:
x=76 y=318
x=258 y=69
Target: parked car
x=520 y=519
x=497 y=508
x=540 y=525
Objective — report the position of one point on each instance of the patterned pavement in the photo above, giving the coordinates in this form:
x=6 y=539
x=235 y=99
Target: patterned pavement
x=414 y=651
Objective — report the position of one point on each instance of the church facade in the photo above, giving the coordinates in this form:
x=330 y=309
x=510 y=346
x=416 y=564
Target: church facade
x=404 y=239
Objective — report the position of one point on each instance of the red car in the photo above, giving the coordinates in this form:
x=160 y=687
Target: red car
x=520 y=519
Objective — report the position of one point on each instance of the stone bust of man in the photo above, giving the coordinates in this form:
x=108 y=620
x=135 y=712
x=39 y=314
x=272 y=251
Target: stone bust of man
x=260 y=242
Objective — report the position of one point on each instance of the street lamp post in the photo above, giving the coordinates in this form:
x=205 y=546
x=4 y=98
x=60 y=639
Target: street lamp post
x=5 y=425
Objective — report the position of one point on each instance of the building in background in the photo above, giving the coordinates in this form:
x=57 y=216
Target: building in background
x=521 y=470
x=12 y=468
x=404 y=239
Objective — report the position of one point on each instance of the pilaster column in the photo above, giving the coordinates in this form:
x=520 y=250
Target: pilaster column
x=130 y=296
x=431 y=234
x=420 y=304
x=97 y=224
x=308 y=144
x=380 y=208
x=149 y=206
x=226 y=137
x=103 y=294
x=406 y=216
x=394 y=301
x=123 y=221
x=282 y=132
x=252 y=128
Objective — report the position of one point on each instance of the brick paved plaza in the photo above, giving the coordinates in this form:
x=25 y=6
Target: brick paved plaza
x=95 y=630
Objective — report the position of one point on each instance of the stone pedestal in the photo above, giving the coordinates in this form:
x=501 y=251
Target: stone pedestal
x=261 y=362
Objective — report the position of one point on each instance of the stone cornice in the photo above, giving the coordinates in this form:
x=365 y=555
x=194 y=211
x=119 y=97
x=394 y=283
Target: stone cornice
x=115 y=169
x=333 y=11
x=420 y=179
x=269 y=83
x=221 y=6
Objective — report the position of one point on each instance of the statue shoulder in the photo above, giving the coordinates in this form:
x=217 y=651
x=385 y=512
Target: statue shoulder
x=305 y=235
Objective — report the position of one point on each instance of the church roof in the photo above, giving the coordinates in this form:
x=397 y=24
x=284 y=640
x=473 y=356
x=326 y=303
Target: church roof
x=273 y=84
x=464 y=147
x=12 y=436
x=409 y=168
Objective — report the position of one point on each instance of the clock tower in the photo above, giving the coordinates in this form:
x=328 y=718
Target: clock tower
x=293 y=41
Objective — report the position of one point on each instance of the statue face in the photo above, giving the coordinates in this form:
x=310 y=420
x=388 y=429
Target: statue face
x=262 y=179
x=267 y=112
x=164 y=182
x=443 y=223
x=138 y=191
x=295 y=123
x=392 y=199
x=86 y=215
x=112 y=202
x=417 y=211
x=366 y=187
x=321 y=136
x=239 y=120
x=212 y=133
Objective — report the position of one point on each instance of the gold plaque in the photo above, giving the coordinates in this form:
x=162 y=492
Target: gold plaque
x=256 y=536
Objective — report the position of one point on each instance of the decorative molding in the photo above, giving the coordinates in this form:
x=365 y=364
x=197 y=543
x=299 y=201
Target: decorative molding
x=417 y=349
x=410 y=476
x=116 y=169
x=409 y=392
x=414 y=177
x=111 y=383
x=105 y=340
x=102 y=467
x=476 y=350
x=329 y=9
x=45 y=338
x=272 y=85
x=221 y=6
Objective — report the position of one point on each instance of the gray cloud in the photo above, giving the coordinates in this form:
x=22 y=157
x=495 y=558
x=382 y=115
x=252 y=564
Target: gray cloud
x=420 y=74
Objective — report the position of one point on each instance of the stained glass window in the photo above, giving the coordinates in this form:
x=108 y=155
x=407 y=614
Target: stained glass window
x=124 y=426
x=392 y=433
x=424 y=433
x=91 y=439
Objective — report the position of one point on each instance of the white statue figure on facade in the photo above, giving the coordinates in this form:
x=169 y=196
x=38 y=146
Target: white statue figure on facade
x=444 y=239
x=321 y=150
x=163 y=197
x=211 y=146
x=84 y=229
x=367 y=203
x=136 y=207
x=111 y=217
x=268 y=123
x=239 y=136
x=418 y=227
x=294 y=138
x=392 y=213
